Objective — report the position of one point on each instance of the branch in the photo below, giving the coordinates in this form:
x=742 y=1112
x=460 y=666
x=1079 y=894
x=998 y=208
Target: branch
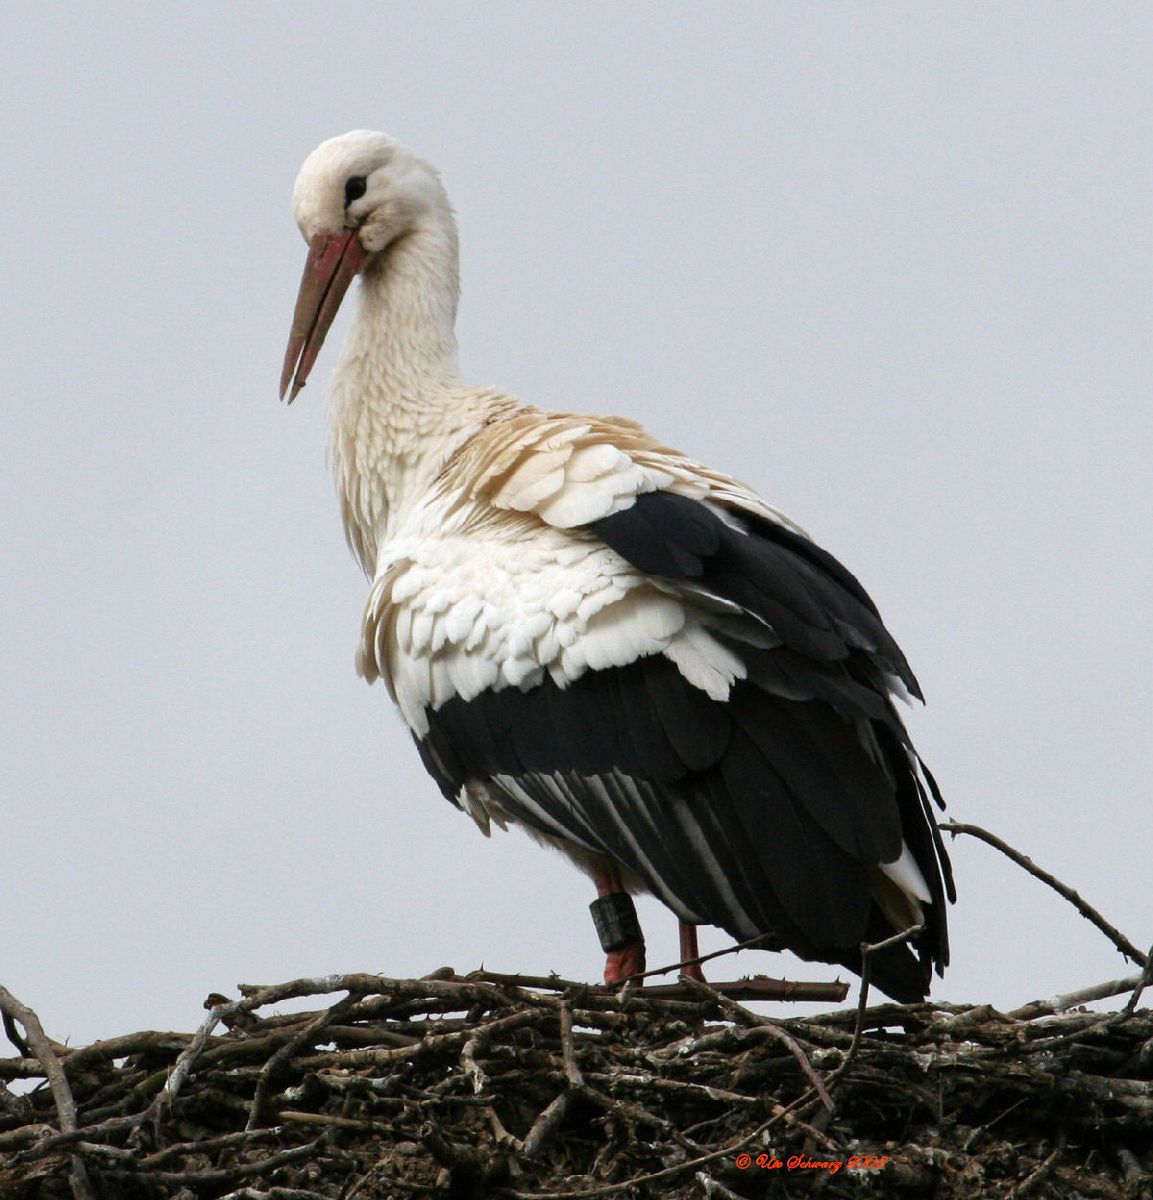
x=37 y=1042
x=1059 y=1004
x=867 y=952
x=1086 y=910
x=306 y=1034
x=738 y=1012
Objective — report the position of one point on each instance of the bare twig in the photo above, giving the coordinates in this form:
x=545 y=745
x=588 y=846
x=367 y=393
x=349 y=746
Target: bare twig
x=187 y=1057
x=274 y=1193
x=756 y=987
x=306 y=1035
x=241 y=1170
x=1059 y=1004
x=1035 y=1178
x=14 y=1035
x=553 y=1115
x=547 y=1122
x=712 y=1188
x=1142 y=983
x=867 y=952
x=205 y=1146
x=38 y=1047
x=1062 y=889
x=656 y=1176
x=678 y=967
x=37 y=1041
x=739 y=1013
x=759 y=987
x=473 y=1070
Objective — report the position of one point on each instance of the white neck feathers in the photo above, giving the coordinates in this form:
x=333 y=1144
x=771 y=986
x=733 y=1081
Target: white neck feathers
x=397 y=409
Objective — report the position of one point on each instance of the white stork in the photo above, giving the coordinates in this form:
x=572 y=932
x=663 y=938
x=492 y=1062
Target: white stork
x=594 y=637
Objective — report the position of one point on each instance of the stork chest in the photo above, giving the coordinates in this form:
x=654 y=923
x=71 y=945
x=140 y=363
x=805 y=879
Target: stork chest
x=465 y=602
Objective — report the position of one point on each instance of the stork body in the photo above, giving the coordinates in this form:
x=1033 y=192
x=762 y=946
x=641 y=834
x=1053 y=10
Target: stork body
x=593 y=636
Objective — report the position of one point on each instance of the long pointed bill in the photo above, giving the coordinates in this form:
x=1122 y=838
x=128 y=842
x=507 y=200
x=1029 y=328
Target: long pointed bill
x=333 y=261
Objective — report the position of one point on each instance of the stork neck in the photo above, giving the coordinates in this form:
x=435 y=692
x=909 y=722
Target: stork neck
x=397 y=409
x=403 y=344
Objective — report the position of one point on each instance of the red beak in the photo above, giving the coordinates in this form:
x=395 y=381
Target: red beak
x=333 y=262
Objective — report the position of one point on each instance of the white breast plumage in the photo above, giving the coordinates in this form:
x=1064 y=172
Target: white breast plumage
x=454 y=615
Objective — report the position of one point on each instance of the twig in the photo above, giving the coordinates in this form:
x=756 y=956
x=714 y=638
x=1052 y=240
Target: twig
x=1035 y=1178
x=739 y=1013
x=551 y=983
x=1058 y=1004
x=290 y=1047
x=205 y=1146
x=37 y=1042
x=183 y=1065
x=568 y=1049
x=472 y=1068
x=38 y=1047
x=243 y=1170
x=474 y=1071
x=1086 y=910
x=747 y=944
x=658 y=1084
x=758 y=987
x=867 y=952
x=553 y=1115
x=547 y=1122
x=14 y=1036
x=274 y=1193
x=862 y=1004
x=1142 y=984
x=667 y=1172
x=712 y=1188
x=432 y=1042
x=768 y=989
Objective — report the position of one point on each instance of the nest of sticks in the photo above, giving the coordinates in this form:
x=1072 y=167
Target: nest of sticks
x=541 y=1088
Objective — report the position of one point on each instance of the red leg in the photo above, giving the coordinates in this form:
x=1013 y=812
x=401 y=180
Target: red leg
x=627 y=957
x=690 y=950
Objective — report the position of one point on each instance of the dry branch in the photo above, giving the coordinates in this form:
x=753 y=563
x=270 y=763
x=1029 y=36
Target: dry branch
x=36 y=1042
x=1062 y=889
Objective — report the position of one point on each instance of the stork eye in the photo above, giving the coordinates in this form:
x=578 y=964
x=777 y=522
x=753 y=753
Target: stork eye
x=354 y=188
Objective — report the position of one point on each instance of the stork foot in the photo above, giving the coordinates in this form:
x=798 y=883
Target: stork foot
x=623 y=962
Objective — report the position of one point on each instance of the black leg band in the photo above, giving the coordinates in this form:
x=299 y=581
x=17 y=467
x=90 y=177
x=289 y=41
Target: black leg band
x=615 y=918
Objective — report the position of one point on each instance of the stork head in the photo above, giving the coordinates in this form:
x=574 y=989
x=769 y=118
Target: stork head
x=355 y=196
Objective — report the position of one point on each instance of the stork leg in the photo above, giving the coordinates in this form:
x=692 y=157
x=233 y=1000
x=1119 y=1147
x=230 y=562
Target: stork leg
x=615 y=918
x=689 y=951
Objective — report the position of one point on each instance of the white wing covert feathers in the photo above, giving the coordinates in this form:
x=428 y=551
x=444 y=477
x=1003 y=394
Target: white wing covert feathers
x=490 y=582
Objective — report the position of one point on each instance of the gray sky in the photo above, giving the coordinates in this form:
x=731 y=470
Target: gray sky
x=888 y=263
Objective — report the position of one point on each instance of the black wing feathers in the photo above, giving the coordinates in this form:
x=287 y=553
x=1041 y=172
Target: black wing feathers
x=765 y=813
x=674 y=540
x=812 y=602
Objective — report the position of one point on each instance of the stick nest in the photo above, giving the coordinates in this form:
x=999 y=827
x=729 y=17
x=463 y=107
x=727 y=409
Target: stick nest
x=497 y=1086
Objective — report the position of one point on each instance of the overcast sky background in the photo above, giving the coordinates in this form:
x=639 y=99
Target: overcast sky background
x=889 y=263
